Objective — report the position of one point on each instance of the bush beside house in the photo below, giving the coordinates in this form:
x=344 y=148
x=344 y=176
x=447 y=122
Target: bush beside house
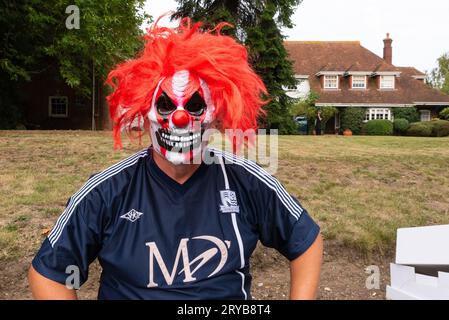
x=400 y=126
x=409 y=113
x=352 y=119
x=445 y=113
x=434 y=128
x=440 y=128
x=419 y=129
x=378 y=128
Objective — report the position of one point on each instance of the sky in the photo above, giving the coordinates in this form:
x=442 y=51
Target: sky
x=419 y=28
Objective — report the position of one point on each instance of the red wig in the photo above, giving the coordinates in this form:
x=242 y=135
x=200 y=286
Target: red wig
x=217 y=59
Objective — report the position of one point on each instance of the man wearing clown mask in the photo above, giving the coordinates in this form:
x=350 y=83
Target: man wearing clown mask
x=162 y=225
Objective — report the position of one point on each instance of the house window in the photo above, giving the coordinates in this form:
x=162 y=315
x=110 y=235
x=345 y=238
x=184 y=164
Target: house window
x=58 y=106
x=378 y=114
x=330 y=82
x=301 y=90
x=358 y=82
x=425 y=115
x=387 y=82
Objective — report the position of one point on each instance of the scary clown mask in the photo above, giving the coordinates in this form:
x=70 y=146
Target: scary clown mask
x=185 y=80
x=181 y=110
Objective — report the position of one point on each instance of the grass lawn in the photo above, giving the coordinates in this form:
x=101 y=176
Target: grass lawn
x=360 y=189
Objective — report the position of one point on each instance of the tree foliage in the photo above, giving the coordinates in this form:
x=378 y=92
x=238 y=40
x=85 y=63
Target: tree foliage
x=34 y=37
x=445 y=113
x=257 y=25
x=108 y=33
x=439 y=76
x=411 y=114
x=306 y=107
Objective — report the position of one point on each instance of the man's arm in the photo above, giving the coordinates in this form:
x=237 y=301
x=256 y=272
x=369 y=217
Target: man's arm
x=305 y=272
x=45 y=289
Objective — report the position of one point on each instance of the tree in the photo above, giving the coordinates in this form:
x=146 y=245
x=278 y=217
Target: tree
x=439 y=76
x=257 y=25
x=34 y=36
x=306 y=107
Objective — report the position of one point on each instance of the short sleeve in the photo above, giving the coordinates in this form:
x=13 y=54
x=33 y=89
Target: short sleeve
x=74 y=241
x=283 y=223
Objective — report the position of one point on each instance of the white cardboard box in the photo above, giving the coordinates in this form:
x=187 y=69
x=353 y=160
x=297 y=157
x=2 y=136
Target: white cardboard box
x=406 y=284
x=424 y=246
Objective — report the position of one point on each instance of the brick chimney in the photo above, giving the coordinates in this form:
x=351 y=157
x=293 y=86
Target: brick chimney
x=388 y=49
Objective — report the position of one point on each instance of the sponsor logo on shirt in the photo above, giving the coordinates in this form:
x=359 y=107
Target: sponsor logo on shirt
x=188 y=267
x=229 y=202
x=132 y=215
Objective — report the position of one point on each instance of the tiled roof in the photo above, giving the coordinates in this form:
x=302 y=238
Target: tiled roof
x=311 y=57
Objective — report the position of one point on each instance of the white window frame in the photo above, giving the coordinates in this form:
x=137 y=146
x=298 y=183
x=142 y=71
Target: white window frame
x=359 y=81
x=326 y=77
x=425 y=115
x=50 y=109
x=378 y=114
x=382 y=82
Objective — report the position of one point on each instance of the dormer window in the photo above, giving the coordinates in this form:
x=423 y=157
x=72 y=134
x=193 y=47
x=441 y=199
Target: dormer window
x=358 y=82
x=330 y=82
x=386 y=82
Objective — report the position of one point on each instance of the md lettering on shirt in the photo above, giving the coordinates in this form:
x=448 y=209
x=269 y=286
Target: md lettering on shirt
x=220 y=247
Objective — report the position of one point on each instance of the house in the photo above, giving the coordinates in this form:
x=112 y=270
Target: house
x=49 y=103
x=345 y=74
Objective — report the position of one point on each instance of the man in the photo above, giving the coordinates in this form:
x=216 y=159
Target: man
x=318 y=123
x=162 y=225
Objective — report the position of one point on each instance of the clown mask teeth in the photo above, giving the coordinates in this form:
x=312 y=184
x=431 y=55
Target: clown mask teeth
x=180 y=112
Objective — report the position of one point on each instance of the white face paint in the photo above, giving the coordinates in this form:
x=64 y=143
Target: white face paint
x=177 y=119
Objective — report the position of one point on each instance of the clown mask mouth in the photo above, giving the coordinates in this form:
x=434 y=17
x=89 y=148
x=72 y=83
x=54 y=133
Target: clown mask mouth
x=181 y=111
x=179 y=141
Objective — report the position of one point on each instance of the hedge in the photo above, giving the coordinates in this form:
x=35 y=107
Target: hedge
x=440 y=128
x=352 y=119
x=400 y=126
x=434 y=128
x=378 y=128
x=445 y=113
x=419 y=129
x=409 y=113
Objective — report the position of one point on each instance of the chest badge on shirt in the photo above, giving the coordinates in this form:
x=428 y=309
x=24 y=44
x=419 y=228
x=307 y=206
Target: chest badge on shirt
x=132 y=215
x=228 y=202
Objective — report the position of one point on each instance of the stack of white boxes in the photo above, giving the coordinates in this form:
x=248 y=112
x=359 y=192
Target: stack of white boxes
x=421 y=271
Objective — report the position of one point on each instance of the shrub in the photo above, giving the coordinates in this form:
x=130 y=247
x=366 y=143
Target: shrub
x=419 y=129
x=352 y=119
x=440 y=128
x=445 y=113
x=400 y=126
x=378 y=128
x=409 y=113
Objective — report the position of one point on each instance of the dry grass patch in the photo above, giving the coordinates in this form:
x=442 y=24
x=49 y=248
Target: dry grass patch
x=360 y=189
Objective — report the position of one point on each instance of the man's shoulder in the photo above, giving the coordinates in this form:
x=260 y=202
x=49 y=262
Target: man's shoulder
x=246 y=170
x=115 y=175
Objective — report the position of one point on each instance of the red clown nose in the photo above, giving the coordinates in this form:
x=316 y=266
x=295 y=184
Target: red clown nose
x=180 y=118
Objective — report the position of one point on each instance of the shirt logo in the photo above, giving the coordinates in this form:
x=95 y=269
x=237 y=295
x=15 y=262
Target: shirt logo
x=229 y=202
x=132 y=215
x=188 y=267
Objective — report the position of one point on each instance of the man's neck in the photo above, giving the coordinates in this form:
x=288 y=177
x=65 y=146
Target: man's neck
x=180 y=173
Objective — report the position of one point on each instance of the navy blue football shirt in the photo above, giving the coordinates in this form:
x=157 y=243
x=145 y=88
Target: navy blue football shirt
x=158 y=239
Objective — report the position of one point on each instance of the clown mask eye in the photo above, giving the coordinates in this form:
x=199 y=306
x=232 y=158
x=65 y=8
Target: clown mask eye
x=196 y=105
x=164 y=105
